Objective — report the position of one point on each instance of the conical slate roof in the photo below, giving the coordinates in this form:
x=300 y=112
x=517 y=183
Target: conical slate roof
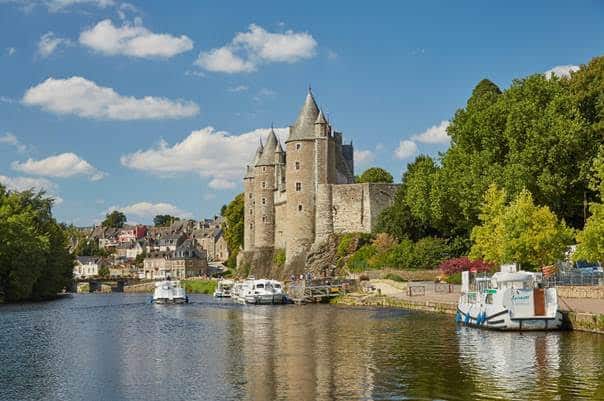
x=258 y=153
x=268 y=154
x=304 y=127
x=321 y=118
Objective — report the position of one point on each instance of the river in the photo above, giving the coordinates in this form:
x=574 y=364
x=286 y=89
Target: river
x=119 y=347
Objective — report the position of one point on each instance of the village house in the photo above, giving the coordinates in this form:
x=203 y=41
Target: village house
x=212 y=240
x=129 y=234
x=186 y=260
x=85 y=267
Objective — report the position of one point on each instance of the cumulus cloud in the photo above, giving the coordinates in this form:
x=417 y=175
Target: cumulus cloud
x=362 y=157
x=63 y=166
x=10 y=139
x=257 y=46
x=238 y=88
x=59 y=5
x=150 y=210
x=437 y=134
x=49 y=43
x=84 y=98
x=133 y=40
x=11 y=51
x=35 y=184
x=561 y=71
x=212 y=154
x=405 y=149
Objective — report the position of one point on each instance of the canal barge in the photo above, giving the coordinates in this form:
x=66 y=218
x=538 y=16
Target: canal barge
x=169 y=292
x=259 y=292
x=510 y=299
x=223 y=289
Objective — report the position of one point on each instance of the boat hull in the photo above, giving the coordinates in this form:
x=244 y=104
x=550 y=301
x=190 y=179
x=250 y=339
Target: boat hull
x=265 y=299
x=500 y=318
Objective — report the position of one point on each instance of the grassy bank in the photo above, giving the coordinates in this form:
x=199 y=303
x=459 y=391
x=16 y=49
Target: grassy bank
x=199 y=286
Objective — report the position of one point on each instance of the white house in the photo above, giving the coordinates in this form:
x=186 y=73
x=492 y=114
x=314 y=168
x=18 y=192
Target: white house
x=86 y=266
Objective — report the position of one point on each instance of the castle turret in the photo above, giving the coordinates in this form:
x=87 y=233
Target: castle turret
x=300 y=182
x=264 y=187
x=249 y=201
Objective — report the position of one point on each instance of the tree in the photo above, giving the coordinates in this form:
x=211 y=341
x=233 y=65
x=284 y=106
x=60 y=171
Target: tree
x=35 y=262
x=104 y=271
x=590 y=241
x=115 y=219
x=164 y=220
x=375 y=174
x=519 y=232
x=233 y=228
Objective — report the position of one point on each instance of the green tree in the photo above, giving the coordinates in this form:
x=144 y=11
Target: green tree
x=164 y=220
x=519 y=232
x=375 y=174
x=35 y=262
x=115 y=219
x=233 y=228
x=104 y=271
x=590 y=241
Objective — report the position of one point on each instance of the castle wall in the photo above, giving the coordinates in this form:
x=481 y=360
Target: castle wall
x=264 y=212
x=248 y=217
x=356 y=207
x=300 y=229
x=324 y=212
x=280 y=219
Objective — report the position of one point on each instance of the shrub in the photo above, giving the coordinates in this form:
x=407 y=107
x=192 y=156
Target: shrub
x=384 y=242
x=429 y=252
x=359 y=260
x=349 y=243
x=457 y=265
x=395 y=277
x=279 y=258
x=455 y=278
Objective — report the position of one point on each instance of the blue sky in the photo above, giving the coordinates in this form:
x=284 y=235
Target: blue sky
x=154 y=107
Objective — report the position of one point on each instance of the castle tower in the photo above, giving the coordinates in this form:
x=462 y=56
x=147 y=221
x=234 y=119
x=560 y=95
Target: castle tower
x=249 y=201
x=264 y=188
x=300 y=181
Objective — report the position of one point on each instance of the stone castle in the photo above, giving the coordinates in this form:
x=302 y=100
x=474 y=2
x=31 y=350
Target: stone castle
x=303 y=195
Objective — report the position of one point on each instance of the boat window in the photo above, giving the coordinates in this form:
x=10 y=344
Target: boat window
x=259 y=285
x=489 y=299
x=277 y=285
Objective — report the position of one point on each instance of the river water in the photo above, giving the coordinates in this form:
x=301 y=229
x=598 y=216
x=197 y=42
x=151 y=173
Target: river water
x=118 y=347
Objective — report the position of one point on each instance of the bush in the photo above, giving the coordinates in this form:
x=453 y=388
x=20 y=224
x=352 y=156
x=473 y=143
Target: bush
x=350 y=243
x=395 y=277
x=426 y=253
x=359 y=260
x=279 y=258
x=455 y=278
x=384 y=242
x=457 y=265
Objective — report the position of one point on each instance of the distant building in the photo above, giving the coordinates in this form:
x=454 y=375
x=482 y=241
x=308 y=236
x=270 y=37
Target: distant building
x=85 y=267
x=186 y=260
x=212 y=240
x=129 y=234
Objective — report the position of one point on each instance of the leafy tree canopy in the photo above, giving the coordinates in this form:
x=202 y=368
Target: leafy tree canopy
x=164 y=220
x=233 y=228
x=375 y=174
x=115 y=219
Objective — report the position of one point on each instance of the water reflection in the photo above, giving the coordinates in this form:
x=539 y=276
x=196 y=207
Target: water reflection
x=99 y=347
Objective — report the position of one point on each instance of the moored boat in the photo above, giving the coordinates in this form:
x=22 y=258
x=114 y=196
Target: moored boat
x=508 y=300
x=169 y=292
x=223 y=289
x=259 y=292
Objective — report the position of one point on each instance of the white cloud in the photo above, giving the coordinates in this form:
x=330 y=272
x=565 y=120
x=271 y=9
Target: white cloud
x=48 y=43
x=216 y=155
x=133 y=40
x=224 y=60
x=58 y=5
x=11 y=51
x=10 y=139
x=27 y=183
x=561 y=71
x=435 y=134
x=63 y=166
x=249 y=49
x=6 y=99
x=221 y=183
x=239 y=88
x=150 y=210
x=84 y=98
x=405 y=149
x=363 y=157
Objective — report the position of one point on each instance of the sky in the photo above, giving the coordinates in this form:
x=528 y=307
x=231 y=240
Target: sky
x=155 y=107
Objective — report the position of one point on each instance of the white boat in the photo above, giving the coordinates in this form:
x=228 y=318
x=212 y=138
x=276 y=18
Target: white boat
x=223 y=289
x=169 y=292
x=260 y=292
x=509 y=300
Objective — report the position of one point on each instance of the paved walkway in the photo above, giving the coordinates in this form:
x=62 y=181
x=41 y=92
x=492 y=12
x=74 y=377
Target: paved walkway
x=399 y=291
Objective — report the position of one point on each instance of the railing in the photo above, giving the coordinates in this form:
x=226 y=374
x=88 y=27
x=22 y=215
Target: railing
x=416 y=290
x=575 y=278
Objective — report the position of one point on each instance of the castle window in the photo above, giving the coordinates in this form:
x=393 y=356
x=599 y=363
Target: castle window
x=299 y=208
x=263 y=168
x=298 y=146
x=251 y=211
x=263 y=184
x=251 y=226
x=264 y=201
x=298 y=186
x=264 y=219
x=250 y=195
x=297 y=165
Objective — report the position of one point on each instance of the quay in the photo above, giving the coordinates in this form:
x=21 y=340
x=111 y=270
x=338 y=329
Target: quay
x=582 y=307
x=318 y=290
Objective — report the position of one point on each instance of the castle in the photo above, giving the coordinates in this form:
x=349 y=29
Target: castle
x=302 y=195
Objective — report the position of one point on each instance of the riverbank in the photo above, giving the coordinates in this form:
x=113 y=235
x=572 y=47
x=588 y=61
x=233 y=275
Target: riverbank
x=582 y=314
x=192 y=286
